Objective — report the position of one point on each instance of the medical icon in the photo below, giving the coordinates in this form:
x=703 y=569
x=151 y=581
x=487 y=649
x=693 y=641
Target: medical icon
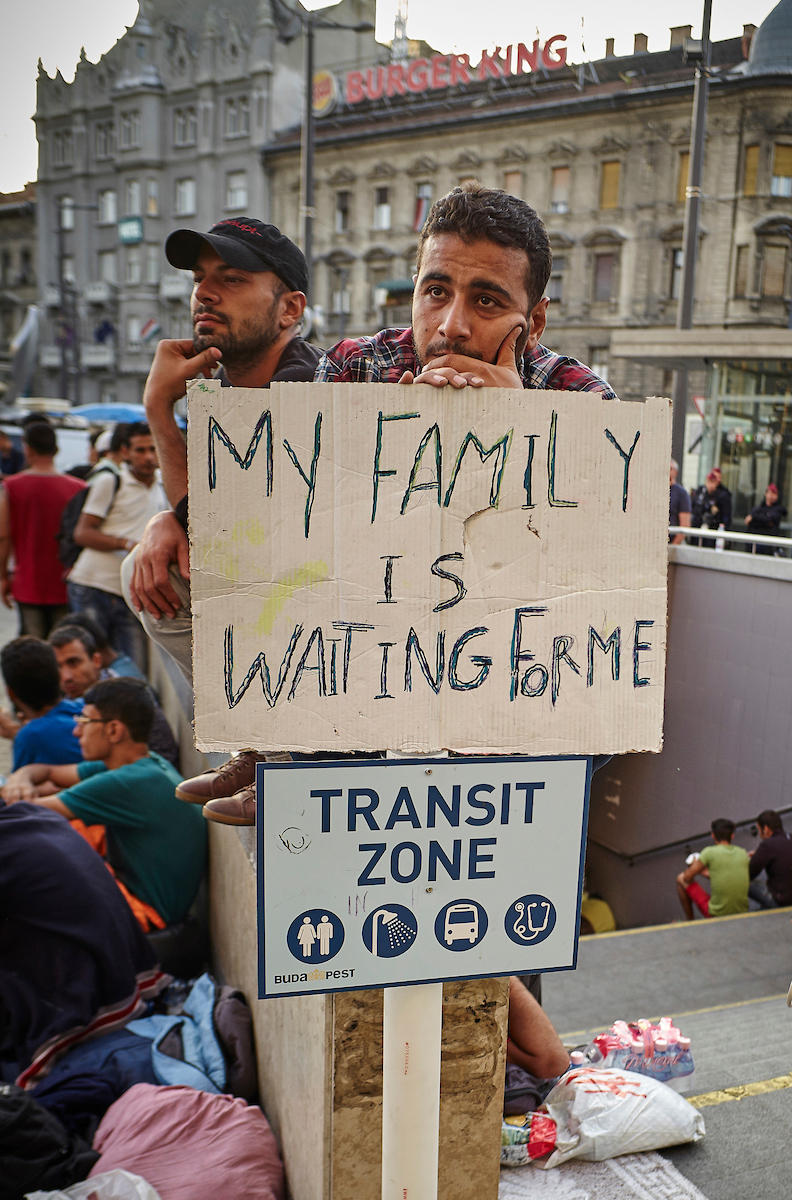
x=316 y=935
x=389 y=932
x=530 y=920
x=461 y=925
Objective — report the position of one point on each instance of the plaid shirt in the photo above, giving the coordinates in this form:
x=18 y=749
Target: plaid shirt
x=385 y=357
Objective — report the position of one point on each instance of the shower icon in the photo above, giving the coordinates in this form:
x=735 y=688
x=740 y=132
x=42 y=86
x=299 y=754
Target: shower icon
x=389 y=932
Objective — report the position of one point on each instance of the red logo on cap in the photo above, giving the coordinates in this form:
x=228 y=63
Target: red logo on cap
x=243 y=227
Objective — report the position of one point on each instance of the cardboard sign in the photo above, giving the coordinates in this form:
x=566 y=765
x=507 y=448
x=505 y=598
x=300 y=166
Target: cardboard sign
x=377 y=874
x=411 y=568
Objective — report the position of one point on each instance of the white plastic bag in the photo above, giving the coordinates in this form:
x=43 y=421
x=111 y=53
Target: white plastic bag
x=603 y=1113
x=112 y=1185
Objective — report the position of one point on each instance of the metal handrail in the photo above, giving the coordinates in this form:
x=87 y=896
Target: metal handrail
x=727 y=535
x=631 y=857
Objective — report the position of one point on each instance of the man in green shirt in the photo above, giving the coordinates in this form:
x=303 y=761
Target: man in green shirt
x=156 y=845
x=727 y=867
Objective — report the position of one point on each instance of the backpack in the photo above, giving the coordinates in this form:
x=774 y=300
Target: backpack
x=68 y=550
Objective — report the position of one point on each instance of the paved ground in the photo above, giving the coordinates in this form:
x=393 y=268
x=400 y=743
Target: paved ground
x=724 y=982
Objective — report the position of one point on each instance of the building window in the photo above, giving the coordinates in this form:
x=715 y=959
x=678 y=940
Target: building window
x=236 y=189
x=108 y=207
x=133 y=326
x=108 y=266
x=339 y=292
x=750 y=170
x=185 y=197
x=423 y=202
x=66 y=211
x=132 y=205
x=675 y=277
x=598 y=360
x=683 y=170
x=342 y=211
x=152 y=197
x=382 y=208
x=781 y=181
x=62 y=148
x=559 y=189
x=105 y=139
x=236 y=121
x=604 y=277
x=185 y=126
x=610 y=178
x=134 y=266
x=741 y=265
x=152 y=264
x=555 y=284
x=774 y=269
x=67 y=268
x=25 y=267
x=513 y=183
x=129 y=129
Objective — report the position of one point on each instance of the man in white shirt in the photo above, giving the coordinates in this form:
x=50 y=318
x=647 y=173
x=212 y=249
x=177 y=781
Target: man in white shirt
x=110 y=524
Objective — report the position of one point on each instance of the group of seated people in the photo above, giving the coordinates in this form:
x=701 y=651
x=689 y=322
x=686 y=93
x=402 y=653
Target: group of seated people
x=91 y=743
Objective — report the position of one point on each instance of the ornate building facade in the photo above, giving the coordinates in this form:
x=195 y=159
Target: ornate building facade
x=18 y=288
x=165 y=130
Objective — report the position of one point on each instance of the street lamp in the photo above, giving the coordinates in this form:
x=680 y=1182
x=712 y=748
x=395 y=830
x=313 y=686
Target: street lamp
x=67 y=295
x=310 y=22
x=700 y=53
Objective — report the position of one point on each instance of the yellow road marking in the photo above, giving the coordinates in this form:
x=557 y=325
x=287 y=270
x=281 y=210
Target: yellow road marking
x=740 y=1091
x=692 y=1012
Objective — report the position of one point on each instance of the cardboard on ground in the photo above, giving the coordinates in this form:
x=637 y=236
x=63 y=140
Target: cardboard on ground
x=416 y=569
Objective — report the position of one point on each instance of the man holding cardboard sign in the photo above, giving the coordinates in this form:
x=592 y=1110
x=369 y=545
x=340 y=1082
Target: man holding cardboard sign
x=478 y=313
x=479 y=307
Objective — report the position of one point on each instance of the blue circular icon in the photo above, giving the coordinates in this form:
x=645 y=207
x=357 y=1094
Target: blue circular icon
x=315 y=936
x=530 y=920
x=461 y=925
x=389 y=931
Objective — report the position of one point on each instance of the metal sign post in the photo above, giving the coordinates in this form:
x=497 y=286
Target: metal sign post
x=411 y=1036
x=403 y=873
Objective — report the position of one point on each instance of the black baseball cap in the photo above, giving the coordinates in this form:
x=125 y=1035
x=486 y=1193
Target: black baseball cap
x=242 y=242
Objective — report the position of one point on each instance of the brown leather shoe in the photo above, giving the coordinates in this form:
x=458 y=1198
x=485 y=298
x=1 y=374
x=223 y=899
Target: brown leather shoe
x=237 y=773
x=239 y=809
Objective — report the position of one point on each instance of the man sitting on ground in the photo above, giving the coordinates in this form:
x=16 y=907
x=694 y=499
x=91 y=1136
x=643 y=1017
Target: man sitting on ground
x=156 y=846
x=774 y=856
x=727 y=867
x=45 y=732
x=113 y=663
x=80 y=667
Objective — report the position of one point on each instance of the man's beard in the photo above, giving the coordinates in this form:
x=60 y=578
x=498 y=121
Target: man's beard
x=245 y=345
x=438 y=349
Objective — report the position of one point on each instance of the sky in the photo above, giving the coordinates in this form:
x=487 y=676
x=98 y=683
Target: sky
x=59 y=30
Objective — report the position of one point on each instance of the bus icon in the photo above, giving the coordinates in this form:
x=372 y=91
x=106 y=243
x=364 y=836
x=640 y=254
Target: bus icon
x=461 y=924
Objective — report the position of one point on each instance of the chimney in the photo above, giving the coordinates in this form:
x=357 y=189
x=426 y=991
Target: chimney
x=679 y=35
x=747 y=39
x=641 y=43
x=609 y=48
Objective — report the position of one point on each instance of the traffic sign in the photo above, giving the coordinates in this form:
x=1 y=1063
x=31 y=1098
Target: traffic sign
x=387 y=872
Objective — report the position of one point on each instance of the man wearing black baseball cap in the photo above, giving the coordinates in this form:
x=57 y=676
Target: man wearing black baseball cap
x=247 y=304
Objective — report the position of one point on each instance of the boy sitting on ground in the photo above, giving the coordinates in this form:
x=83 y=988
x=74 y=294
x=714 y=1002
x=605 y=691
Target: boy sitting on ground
x=156 y=846
x=727 y=867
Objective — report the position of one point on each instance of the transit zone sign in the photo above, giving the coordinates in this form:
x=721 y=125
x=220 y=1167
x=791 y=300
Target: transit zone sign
x=399 y=871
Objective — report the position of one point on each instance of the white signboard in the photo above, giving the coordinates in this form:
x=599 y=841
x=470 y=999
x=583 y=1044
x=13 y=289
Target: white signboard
x=410 y=568
x=399 y=871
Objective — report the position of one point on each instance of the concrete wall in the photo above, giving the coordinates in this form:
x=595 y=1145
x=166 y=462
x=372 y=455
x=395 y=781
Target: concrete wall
x=320 y=1060
x=728 y=731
